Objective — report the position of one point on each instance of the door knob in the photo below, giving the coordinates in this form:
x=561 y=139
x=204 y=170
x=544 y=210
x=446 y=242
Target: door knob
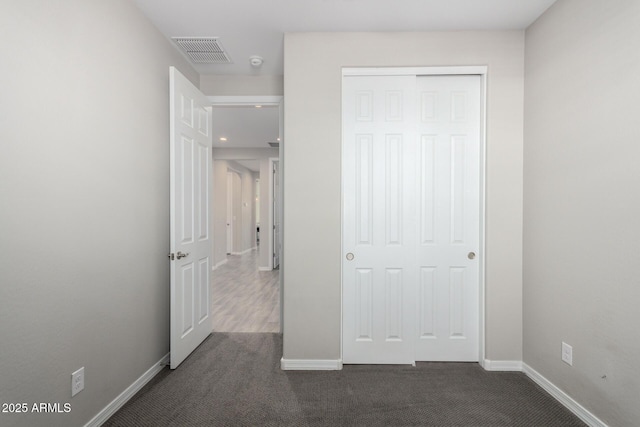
x=181 y=255
x=349 y=256
x=471 y=255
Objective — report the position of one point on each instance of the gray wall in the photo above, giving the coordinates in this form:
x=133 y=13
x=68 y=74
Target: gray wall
x=582 y=203
x=312 y=153
x=84 y=188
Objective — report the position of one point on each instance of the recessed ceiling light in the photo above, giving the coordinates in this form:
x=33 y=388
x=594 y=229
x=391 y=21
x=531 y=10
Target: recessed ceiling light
x=258 y=106
x=223 y=139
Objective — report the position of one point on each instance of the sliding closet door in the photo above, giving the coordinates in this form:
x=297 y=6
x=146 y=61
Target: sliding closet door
x=449 y=226
x=379 y=219
x=411 y=218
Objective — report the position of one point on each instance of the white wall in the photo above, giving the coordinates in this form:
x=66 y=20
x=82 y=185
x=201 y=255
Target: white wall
x=219 y=212
x=84 y=187
x=247 y=211
x=312 y=241
x=582 y=177
x=236 y=213
x=255 y=214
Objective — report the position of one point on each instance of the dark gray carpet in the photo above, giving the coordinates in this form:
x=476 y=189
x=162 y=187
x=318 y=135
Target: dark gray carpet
x=234 y=379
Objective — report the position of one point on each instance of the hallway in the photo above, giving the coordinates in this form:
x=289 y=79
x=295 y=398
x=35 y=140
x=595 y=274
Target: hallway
x=245 y=299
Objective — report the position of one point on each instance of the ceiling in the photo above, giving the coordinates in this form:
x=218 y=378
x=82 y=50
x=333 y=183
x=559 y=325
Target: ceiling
x=252 y=165
x=256 y=27
x=245 y=127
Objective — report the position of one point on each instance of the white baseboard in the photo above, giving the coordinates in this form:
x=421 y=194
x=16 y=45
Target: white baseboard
x=310 y=364
x=246 y=251
x=265 y=268
x=562 y=397
x=220 y=264
x=502 y=365
x=127 y=394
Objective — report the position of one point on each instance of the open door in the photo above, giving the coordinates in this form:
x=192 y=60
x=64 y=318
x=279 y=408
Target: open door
x=191 y=220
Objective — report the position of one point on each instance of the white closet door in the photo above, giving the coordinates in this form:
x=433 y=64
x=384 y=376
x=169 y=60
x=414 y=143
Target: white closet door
x=449 y=199
x=411 y=209
x=379 y=223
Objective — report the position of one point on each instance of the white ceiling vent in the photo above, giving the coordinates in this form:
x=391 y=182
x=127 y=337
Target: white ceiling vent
x=203 y=50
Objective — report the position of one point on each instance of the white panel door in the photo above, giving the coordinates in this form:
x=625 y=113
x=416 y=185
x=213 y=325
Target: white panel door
x=411 y=209
x=379 y=220
x=191 y=226
x=449 y=212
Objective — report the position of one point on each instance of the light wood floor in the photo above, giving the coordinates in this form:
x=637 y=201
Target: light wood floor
x=245 y=299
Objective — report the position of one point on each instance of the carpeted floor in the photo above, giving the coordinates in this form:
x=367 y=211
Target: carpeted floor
x=234 y=379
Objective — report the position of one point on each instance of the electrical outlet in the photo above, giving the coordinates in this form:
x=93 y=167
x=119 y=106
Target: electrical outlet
x=567 y=354
x=77 y=381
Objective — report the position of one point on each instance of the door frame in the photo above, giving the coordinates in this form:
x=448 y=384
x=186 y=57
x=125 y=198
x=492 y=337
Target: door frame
x=479 y=70
x=272 y=100
x=273 y=211
x=267 y=100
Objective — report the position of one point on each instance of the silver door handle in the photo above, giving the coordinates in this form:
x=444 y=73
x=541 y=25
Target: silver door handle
x=350 y=256
x=181 y=255
x=471 y=255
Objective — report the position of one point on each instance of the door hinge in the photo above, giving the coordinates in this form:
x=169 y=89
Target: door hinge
x=172 y=256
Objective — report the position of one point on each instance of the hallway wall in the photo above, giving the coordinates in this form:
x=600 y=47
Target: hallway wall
x=84 y=187
x=263 y=154
x=244 y=201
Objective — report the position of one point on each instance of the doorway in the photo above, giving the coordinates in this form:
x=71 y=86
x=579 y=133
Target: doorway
x=413 y=164
x=247 y=132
